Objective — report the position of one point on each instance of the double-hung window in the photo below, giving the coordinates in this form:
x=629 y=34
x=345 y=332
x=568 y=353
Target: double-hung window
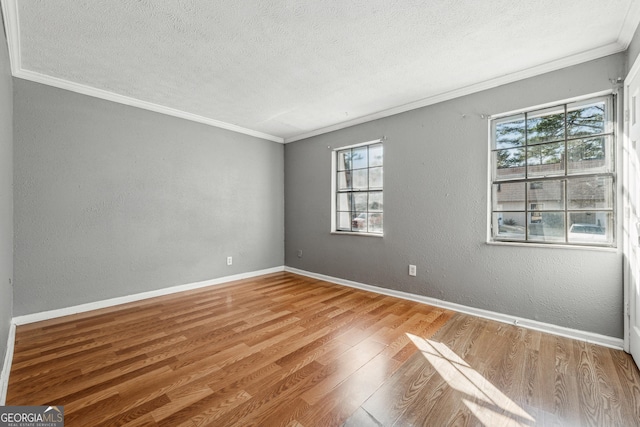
x=358 y=194
x=553 y=175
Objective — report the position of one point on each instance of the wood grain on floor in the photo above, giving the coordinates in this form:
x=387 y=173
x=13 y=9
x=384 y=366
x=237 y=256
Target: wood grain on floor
x=286 y=350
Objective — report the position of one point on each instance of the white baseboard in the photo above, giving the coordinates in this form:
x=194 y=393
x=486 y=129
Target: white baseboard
x=52 y=314
x=6 y=367
x=606 y=341
x=590 y=337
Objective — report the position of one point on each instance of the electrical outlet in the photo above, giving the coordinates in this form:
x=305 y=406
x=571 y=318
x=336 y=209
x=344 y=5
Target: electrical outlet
x=299 y=253
x=412 y=270
x=229 y=260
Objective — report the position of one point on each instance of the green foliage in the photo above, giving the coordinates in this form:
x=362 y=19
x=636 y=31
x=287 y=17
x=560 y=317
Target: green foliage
x=544 y=129
x=541 y=132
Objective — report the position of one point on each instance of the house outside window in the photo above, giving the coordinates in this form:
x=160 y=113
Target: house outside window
x=358 y=189
x=553 y=175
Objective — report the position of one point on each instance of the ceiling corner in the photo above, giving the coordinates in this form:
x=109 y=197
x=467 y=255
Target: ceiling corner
x=12 y=31
x=630 y=25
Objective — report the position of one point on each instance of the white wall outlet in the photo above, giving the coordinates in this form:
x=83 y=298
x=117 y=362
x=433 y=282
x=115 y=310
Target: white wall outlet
x=412 y=270
x=229 y=260
x=299 y=253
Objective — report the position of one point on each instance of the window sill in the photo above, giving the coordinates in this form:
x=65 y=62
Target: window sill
x=554 y=246
x=350 y=233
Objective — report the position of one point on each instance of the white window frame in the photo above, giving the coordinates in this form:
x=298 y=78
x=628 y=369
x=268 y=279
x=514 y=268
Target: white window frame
x=334 y=189
x=613 y=106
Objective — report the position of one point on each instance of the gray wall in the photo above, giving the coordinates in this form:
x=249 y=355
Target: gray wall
x=6 y=193
x=435 y=193
x=633 y=50
x=112 y=200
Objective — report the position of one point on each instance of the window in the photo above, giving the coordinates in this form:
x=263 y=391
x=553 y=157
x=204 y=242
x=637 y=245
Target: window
x=537 y=185
x=553 y=175
x=358 y=188
x=536 y=214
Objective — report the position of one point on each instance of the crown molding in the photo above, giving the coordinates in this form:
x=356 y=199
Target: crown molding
x=10 y=12
x=565 y=62
x=630 y=25
x=134 y=102
x=12 y=28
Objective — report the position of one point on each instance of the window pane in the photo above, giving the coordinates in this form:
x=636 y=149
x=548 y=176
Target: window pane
x=591 y=227
x=508 y=225
x=546 y=159
x=553 y=174
x=375 y=223
x=344 y=221
x=360 y=201
x=344 y=180
x=549 y=228
x=509 y=164
x=508 y=197
x=509 y=132
x=359 y=158
x=375 y=201
x=344 y=201
x=359 y=222
x=546 y=195
x=360 y=179
x=358 y=208
x=375 y=177
x=589 y=155
x=344 y=160
x=545 y=125
x=583 y=120
x=590 y=193
x=375 y=155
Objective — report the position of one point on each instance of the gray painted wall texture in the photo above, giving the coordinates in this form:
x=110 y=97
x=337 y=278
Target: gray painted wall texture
x=435 y=207
x=112 y=200
x=633 y=50
x=6 y=193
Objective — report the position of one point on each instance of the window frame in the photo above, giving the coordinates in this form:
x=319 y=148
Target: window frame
x=335 y=191
x=611 y=213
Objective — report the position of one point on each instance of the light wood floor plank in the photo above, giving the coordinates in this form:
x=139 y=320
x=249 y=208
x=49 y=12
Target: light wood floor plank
x=287 y=350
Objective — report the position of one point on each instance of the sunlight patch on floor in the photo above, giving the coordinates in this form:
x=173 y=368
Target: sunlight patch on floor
x=484 y=400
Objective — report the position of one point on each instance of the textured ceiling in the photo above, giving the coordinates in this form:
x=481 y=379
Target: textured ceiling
x=290 y=68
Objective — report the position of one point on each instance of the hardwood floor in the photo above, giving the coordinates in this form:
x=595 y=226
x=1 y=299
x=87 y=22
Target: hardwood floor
x=288 y=350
